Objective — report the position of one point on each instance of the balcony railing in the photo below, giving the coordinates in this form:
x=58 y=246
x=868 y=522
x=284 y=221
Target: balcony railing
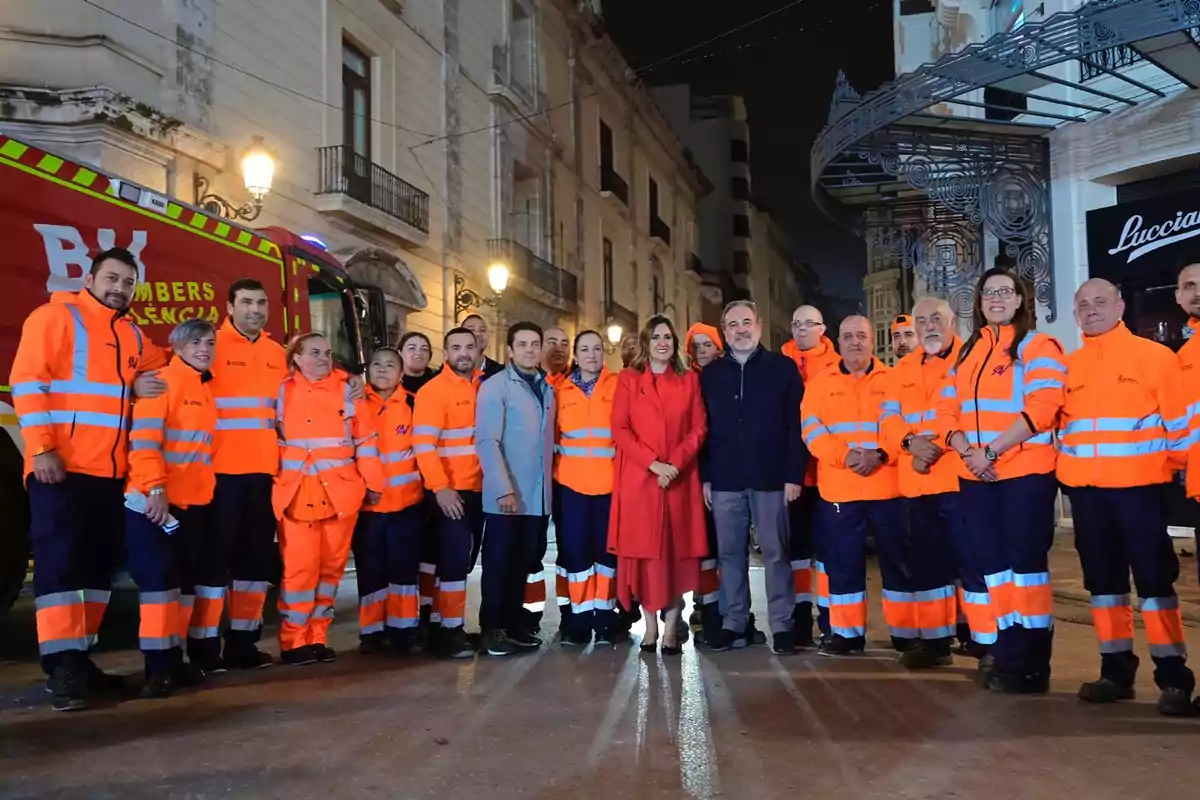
x=660 y=230
x=614 y=184
x=342 y=171
x=1116 y=58
x=534 y=270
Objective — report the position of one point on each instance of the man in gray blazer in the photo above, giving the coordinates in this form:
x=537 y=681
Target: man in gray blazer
x=514 y=438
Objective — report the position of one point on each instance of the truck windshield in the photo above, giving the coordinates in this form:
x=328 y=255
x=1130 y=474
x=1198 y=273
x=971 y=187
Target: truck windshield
x=327 y=308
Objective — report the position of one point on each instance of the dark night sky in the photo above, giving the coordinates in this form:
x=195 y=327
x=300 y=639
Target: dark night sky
x=785 y=67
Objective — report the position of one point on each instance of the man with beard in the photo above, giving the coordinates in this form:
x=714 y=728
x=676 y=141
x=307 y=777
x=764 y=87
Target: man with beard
x=73 y=380
x=753 y=466
x=444 y=443
x=904 y=337
x=930 y=484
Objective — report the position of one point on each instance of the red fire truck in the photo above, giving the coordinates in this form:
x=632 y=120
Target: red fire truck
x=55 y=213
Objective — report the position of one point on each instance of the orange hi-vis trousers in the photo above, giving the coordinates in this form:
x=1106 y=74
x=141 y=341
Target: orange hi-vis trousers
x=314 y=559
x=387 y=552
x=1123 y=530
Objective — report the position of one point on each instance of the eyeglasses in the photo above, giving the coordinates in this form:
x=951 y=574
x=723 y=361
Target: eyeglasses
x=1002 y=292
x=806 y=324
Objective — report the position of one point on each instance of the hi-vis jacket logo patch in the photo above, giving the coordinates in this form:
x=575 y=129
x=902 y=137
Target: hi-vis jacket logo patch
x=1000 y=369
x=401 y=430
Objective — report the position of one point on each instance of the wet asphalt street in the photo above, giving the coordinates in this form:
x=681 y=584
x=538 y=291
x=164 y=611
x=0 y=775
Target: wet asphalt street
x=603 y=723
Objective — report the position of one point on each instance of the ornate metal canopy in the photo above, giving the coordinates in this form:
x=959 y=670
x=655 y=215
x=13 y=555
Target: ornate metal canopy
x=924 y=165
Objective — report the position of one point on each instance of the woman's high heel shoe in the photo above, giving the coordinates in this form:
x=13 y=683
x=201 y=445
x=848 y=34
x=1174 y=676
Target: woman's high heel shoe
x=649 y=647
x=672 y=649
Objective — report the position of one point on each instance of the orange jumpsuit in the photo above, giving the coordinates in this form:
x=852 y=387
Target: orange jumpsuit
x=328 y=460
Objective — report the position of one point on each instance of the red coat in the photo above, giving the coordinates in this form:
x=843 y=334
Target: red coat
x=665 y=423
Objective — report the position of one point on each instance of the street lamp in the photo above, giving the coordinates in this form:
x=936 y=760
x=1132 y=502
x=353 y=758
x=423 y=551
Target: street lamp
x=258 y=172
x=615 y=332
x=465 y=299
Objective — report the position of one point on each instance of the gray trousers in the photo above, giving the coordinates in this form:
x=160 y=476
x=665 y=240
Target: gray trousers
x=732 y=514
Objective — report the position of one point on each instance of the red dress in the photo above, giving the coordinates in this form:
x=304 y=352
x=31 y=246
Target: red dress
x=657 y=535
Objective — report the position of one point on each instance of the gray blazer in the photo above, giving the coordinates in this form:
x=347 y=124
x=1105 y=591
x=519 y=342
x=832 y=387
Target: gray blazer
x=514 y=437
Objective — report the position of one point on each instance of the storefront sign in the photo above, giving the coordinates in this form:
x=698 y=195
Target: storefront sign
x=1146 y=237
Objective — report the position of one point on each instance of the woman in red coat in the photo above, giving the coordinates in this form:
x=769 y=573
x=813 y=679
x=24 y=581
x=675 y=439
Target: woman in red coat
x=656 y=527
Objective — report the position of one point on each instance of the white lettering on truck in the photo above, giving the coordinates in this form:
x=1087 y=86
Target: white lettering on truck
x=65 y=249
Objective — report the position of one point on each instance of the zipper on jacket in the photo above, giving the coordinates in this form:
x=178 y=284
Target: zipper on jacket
x=978 y=378
x=112 y=324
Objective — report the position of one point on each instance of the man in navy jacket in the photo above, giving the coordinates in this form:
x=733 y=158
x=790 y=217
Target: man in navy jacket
x=753 y=466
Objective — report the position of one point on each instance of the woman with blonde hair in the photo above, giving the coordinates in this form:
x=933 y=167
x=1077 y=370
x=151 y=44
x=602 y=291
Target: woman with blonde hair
x=328 y=465
x=656 y=526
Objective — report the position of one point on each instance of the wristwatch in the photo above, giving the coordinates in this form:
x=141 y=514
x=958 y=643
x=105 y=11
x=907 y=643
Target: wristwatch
x=157 y=491
x=989 y=453
x=905 y=442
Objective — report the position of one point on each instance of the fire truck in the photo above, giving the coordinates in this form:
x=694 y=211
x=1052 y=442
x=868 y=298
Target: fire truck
x=55 y=213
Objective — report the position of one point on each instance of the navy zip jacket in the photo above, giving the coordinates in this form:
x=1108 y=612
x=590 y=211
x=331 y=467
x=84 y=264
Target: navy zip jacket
x=754 y=439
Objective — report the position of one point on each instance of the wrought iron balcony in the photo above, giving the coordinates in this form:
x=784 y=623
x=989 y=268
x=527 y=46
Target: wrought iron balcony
x=342 y=171
x=660 y=230
x=614 y=184
x=1114 y=58
x=534 y=270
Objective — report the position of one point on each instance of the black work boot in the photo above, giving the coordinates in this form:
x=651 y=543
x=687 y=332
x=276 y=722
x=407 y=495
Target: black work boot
x=158 y=685
x=68 y=685
x=925 y=656
x=1175 y=702
x=1104 y=690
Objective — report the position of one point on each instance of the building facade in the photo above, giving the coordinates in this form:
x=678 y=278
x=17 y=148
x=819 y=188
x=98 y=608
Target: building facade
x=419 y=142
x=716 y=131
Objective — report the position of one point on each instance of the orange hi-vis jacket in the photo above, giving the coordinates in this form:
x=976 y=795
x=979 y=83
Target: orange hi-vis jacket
x=841 y=412
x=1189 y=365
x=72 y=383
x=246 y=379
x=171 y=440
x=583 y=443
x=985 y=393
x=911 y=408
x=328 y=453
x=394 y=424
x=1124 y=421
x=812 y=363
x=444 y=433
